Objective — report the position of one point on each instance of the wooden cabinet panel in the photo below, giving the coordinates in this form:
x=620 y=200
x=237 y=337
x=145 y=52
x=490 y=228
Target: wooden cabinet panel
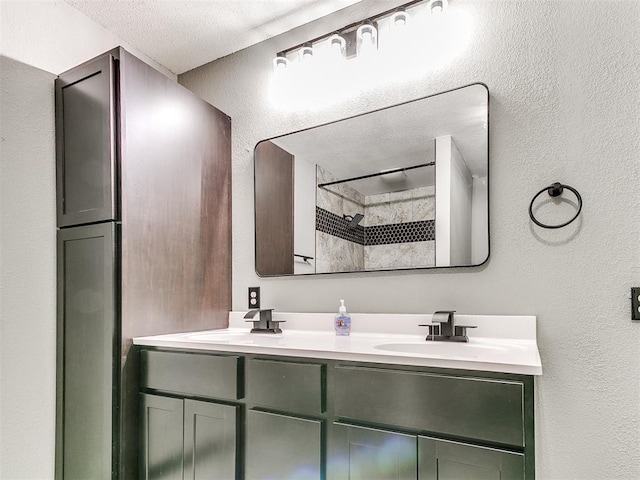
x=161 y=448
x=445 y=460
x=214 y=376
x=274 y=209
x=85 y=370
x=288 y=386
x=209 y=441
x=86 y=152
x=361 y=453
x=176 y=206
x=475 y=408
x=283 y=447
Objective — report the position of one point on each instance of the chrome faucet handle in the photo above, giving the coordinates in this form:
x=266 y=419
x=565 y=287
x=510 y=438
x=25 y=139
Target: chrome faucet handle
x=461 y=330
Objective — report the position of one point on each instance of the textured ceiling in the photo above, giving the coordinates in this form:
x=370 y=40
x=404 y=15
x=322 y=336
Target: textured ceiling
x=182 y=35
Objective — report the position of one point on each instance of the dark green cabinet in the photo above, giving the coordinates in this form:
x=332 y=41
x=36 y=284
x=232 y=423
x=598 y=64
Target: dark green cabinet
x=161 y=449
x=283 y=447
x=301 y=418
x=210 y=438
x=135 y=192
x=86 y=143
x=361 y=453
x=446 y=460
x=183 y=438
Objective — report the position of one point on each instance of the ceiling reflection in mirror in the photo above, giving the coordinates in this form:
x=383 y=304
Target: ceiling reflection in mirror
x=403 y=187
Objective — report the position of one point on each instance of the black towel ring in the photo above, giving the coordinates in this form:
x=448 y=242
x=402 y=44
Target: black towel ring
x=555 y=190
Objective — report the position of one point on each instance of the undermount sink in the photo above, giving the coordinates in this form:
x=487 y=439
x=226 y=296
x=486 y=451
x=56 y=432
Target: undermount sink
x=469 y=350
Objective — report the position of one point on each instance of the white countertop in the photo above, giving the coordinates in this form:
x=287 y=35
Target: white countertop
x=501 y=343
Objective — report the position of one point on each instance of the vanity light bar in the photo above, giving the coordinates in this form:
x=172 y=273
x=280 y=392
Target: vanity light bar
x=348 y=32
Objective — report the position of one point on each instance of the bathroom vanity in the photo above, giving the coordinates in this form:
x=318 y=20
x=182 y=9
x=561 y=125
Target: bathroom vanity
x=308 y=404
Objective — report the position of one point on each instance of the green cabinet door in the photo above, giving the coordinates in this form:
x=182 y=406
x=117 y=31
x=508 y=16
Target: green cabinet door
x=85 y=348
x=361 y=453
x=161 y=448
x=445 y=460
x=86 y=146
x=280 y=447
x=209 y=441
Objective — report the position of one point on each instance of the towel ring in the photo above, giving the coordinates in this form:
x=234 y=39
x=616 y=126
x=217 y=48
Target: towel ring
x=555 y=190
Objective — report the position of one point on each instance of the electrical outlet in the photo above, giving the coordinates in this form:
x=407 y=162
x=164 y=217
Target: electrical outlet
x=254 y=297
x=635 y=303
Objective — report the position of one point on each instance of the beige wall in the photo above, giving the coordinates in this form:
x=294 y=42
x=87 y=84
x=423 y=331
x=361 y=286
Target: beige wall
x=565 y=105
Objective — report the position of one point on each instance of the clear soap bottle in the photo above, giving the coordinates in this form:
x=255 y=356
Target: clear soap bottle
x=342 y=321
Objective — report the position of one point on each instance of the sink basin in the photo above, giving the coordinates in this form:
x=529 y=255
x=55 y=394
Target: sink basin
x=449 y=349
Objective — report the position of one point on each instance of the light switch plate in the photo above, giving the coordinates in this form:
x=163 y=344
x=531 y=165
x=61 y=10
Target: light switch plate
x=635 y=303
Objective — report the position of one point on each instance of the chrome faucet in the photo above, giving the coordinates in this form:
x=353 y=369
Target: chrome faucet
x=265 y=322
x=444 y=329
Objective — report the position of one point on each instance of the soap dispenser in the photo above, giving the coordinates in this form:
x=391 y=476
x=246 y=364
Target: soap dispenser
x=342 y=321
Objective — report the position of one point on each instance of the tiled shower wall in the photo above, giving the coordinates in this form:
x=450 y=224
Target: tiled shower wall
x=336 y=248
x=406 y=220
x=397 y=231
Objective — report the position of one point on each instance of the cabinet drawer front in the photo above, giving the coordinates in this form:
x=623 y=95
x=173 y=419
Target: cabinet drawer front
x=294 y=387
x=214 y=376
x=466 y=407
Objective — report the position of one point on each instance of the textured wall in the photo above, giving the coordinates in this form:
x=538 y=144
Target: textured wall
x=565 y=105
x=27 y=272
x=54 y=36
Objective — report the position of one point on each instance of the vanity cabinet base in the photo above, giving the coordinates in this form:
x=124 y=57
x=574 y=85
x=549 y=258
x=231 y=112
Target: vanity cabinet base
x=274 y=430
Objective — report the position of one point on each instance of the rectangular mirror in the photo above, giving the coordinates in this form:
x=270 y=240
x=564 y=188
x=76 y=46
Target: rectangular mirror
x=403 y=187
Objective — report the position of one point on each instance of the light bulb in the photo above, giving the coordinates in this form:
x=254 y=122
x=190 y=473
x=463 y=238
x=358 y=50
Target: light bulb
x=366 y=39
x=306 y=54
x=338 y=46
x=399 y=19
x=437 y=6
x=280 y=63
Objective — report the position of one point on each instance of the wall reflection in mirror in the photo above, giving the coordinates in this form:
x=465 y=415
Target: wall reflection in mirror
x=403 y=187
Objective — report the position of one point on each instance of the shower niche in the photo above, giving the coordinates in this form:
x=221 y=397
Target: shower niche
x=404 y=187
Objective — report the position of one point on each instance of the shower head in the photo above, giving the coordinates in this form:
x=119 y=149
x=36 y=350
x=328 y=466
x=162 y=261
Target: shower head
x=353 y=220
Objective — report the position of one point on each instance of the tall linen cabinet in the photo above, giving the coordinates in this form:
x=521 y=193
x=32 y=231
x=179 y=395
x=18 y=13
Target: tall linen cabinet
x=144 y=244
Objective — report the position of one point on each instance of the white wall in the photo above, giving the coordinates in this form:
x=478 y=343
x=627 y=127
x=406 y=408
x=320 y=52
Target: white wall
x=453 y=205
x=443 y=200
x=54 y=36
x=461 y=184
x=479 y=220
x=27 y=272
x=304 y=215
x=565 y=105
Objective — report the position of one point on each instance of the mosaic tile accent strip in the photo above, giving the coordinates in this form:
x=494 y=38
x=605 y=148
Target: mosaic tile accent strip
x=337 y=226
x=400 y=233
x=328 y=222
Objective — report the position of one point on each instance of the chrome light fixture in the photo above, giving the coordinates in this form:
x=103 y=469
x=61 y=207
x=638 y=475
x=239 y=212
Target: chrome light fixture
x=360 y=39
